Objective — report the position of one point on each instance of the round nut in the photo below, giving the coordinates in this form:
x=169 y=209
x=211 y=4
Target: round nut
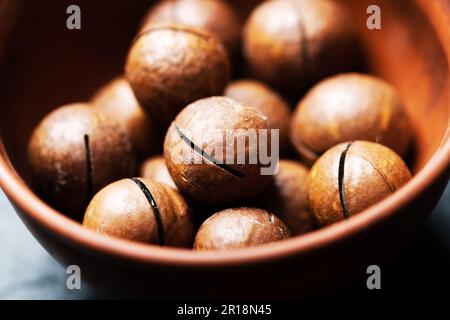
x=212 y=151
x=171 y=66
x=239 y=228
x=349 y=107
x=287 y=197
x=258 y=95
x=351 y=177
x=141 y=210
x=74 y=152
x=200 y=14
x=117 y=100
x=292 y=44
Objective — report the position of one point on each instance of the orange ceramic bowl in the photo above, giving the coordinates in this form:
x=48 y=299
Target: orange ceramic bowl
x=44 y=65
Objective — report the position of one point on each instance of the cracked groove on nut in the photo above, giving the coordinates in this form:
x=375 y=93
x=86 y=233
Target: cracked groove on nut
x=341 y=181
x=89 y=168
x=381 y=174
x=305 y=50
x=207 y=156
x=155 y=209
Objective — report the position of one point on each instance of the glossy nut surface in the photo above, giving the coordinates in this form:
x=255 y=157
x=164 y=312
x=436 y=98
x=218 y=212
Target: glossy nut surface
x=171 y=66
x=351 y=177
x=349 y=107
x=239 y=228
x=117 y=99
x=197 y=152
x=74 y=152
x=287 y=197
x=155 y=168
x=149 y=212
x=258 y=95
x=216 y=16
x=292 y=44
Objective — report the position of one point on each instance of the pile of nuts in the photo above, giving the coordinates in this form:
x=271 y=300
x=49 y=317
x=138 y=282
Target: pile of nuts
x=178 y=117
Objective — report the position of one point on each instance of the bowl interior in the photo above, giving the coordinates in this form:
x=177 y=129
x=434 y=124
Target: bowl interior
x=44 y=65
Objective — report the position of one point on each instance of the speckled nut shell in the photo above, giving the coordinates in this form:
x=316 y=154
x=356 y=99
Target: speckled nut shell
x=117 y=99
x=239 y=228
x=349 y=107
x=155 y=168
x=287 y=197
x=351 y=177
x=293 y=43
x=141 y=210
x=260 y=96
x=195 y=175
x=216 y=16
x=171 y=66
x=74 y=152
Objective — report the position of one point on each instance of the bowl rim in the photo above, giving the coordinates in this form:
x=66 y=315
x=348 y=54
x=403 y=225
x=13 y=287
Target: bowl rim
x=73 y=232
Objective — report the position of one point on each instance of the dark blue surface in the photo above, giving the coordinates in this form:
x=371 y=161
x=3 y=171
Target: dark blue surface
x=27 y=271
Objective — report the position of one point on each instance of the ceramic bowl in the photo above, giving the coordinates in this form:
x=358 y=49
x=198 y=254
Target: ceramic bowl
x=44 y=65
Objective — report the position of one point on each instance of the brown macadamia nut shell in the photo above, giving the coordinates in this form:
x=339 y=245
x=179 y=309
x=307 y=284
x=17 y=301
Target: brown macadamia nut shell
x=201 y=180
x=349 y=107
x=155 y=168
x=171 y=66
x=117 y=100
x=294 y=43
x=239 y=228
x=122 y=210
x=258 y=95
x=216 y=16
x=287 y=197
x=351 y=177
x=67 y=169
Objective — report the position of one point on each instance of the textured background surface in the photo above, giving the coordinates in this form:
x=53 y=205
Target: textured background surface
x=422 y=269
